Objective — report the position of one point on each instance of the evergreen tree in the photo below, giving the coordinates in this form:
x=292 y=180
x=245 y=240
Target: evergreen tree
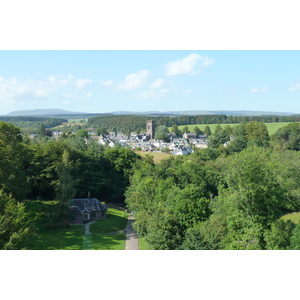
x=207 y=130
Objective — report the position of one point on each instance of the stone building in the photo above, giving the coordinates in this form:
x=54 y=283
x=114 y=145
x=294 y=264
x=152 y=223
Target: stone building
x=150 y=129
x=85 y=210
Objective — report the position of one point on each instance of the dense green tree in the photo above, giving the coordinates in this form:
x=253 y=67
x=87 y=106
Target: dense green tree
x=253 y=185
x=198 y=131
x=219 y=138
x=288 y=137
x=218 y=129
x=207 y=154
x=13 y=155
x=15 y=228
x=279 y=235
x=295 y=238
x=257 y=134
x=41 y=130
x=101 y=130
x=207 y=130
x=161 y=133
x=65 y=188
x=175 y=130
x=83 y=133
x=185 y=129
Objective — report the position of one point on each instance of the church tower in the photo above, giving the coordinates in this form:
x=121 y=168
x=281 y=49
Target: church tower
x=150 y=128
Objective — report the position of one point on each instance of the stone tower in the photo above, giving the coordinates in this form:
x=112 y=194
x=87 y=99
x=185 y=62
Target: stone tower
x=150 y=128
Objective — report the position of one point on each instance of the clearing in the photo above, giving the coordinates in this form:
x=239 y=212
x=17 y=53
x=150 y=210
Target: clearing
x=294 y=217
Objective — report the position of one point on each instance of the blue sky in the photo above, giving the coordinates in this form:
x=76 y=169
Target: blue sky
x=156 y=80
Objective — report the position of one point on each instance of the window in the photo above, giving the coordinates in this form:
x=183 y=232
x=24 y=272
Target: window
x=93 y=215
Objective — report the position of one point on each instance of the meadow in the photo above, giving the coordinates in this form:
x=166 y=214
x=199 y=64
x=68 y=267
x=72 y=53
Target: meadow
x=272 y=127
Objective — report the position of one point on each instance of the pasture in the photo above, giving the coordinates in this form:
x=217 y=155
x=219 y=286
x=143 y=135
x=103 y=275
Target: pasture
x=272 y=127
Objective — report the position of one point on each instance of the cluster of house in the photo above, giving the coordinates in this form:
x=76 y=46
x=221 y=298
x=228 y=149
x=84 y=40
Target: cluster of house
x=146 y=141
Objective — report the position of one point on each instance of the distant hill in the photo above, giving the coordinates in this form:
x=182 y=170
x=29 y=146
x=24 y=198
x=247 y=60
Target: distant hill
x=43 y=112
x=60 y=112
x=206 y=112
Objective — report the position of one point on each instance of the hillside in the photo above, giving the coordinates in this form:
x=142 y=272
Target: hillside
x=42 y=112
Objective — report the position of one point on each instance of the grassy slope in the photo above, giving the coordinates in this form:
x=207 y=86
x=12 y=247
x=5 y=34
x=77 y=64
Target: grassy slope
x=73 y=238
x=295 y=217
x=272 y=127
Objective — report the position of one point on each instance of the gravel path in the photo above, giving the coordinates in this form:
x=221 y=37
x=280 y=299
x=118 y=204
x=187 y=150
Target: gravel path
x=132 y=241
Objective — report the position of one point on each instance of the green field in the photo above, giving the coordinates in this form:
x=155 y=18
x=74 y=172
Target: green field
x=295 y=217
x=272 y=127
x=73 y=238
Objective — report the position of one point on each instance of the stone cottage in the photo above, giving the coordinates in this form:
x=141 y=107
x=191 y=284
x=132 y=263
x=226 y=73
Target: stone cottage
x=85 y=210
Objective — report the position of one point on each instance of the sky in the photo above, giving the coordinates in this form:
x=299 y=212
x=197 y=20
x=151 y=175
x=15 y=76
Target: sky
x=101 y=81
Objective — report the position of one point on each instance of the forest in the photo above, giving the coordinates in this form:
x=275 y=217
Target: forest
x=229 y=196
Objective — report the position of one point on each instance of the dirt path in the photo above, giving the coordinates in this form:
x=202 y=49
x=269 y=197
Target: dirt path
x=132 y=241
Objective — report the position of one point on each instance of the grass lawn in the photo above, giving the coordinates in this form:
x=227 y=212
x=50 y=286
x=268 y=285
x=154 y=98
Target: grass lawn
x=73 y=238
x=295 y=217
x=116 y=220
x=142 y=244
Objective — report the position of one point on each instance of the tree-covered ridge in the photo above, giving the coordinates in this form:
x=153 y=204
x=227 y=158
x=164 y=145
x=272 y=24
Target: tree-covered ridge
x=49 y=122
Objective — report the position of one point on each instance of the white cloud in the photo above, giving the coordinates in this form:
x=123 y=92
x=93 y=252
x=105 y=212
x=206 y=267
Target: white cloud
x=295 y=87
x=60 y=80
x=76 y=96
x=64 y=80
x=157 y=90
x=155 y=93
x=186 y=91
x=158 y=83
x=187 y=65
x=106 y=83
x=259 y=90
x=13 y=89
x=134 y=80
x=82 y=82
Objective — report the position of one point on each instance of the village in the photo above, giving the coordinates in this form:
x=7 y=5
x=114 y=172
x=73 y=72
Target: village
x=146 y=142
